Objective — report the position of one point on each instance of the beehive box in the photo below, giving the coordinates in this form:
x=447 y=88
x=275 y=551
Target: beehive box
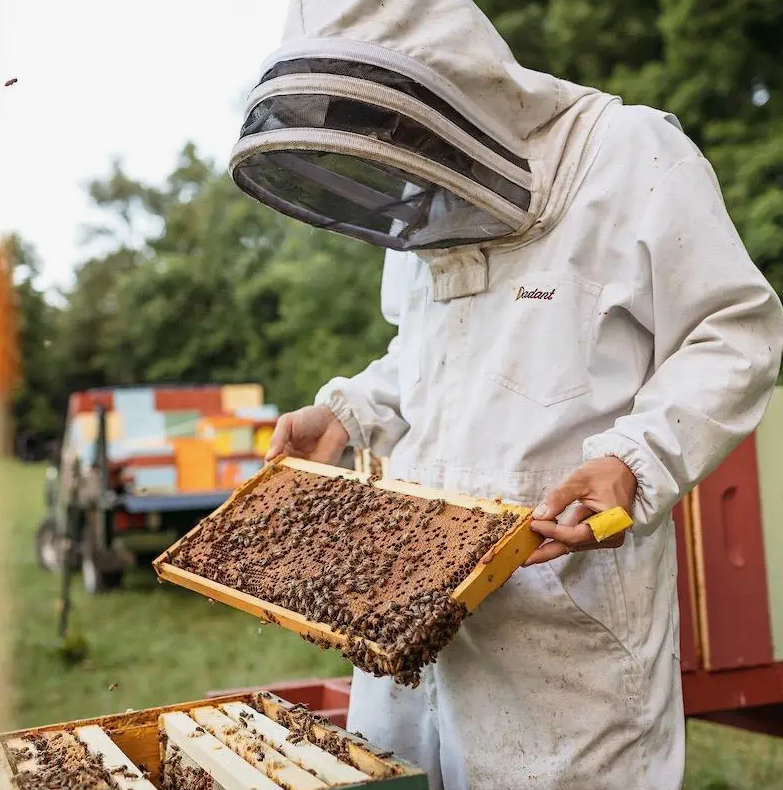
x=384 y=570
x=240 y=742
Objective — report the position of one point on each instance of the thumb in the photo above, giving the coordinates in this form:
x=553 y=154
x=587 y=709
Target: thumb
x=280 y=437
x=558 y=499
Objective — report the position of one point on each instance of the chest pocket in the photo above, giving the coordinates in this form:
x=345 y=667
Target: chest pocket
x=543 y=335
x=411 y=334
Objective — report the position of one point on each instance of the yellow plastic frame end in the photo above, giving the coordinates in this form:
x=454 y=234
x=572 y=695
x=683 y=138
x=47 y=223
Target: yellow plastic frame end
x=610 y=522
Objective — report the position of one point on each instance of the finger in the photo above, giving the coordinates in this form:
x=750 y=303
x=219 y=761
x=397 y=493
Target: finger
x=280 y=437
x=577 y=515
x=331 y=445
x=558 y=499
x=546 y=552
x=327 y=451
x=573 y=536
x=610 y=543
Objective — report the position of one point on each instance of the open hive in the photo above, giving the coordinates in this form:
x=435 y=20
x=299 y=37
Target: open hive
x=245 y=742
x=382 y=569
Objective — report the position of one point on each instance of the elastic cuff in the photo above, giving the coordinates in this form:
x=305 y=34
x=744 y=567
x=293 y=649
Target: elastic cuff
x=645 y=510
x=341 y=409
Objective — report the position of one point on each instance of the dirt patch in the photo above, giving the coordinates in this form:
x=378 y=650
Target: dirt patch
x=373 y=564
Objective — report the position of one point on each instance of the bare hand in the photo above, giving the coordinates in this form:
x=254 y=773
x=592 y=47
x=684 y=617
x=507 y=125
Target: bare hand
x=313 y=433
x=597 y=485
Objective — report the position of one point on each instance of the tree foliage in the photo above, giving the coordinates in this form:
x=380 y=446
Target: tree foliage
x=202 y=284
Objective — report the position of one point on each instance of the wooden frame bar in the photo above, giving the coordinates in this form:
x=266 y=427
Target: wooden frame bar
x=362 y=753
x=98 y=743
x=263 y=757
x=204 y=750
x=308 y=756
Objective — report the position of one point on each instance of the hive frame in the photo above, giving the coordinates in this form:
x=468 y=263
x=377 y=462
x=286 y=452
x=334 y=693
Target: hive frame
x=490 y=573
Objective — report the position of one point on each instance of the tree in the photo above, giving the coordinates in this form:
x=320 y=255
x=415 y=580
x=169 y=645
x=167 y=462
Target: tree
x=37 y=397
x=329 y=321
x=224 y=290
x=716 y=66
x=202 y=284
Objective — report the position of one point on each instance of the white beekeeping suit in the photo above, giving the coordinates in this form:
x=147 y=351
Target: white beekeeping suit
x=567 y=286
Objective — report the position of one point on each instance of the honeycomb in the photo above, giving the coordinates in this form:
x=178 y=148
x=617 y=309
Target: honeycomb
x=373 y=564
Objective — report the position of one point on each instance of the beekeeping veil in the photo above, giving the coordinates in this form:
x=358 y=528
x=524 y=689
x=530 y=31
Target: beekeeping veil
x=409 y=124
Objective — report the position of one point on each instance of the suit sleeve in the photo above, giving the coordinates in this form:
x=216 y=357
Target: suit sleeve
x=368 y=404
x=718 y=332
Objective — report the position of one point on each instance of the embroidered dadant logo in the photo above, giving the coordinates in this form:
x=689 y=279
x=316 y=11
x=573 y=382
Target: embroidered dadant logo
x=534 y=293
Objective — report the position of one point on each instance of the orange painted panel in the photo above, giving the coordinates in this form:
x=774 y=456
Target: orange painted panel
x=230 y=476
x=196 y=465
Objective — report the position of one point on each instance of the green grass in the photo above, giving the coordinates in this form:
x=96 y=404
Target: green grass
x=158 y=643
x=162 y=644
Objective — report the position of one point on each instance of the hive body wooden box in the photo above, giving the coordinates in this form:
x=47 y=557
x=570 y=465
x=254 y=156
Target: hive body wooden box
x=136 y=734
x=730 y=551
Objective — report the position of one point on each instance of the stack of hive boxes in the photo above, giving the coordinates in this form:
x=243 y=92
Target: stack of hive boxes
x=170 y=440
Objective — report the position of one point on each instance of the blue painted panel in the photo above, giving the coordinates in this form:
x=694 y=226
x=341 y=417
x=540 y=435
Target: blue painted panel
x=140 y=420
x=157 y=478
x=267 y=412
x=248 y=468
x=121 y=450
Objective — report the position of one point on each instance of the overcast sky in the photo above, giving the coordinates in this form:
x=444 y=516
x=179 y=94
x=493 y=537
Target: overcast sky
x=104 y=78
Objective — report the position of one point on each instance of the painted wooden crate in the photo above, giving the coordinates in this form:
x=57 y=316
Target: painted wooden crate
x=253 y=741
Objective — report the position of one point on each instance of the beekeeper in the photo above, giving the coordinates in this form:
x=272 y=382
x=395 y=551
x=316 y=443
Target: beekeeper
x=580 y=327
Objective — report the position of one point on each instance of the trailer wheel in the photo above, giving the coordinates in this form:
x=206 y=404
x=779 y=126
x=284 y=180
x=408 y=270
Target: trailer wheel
x=94 y=579
x=48 y=545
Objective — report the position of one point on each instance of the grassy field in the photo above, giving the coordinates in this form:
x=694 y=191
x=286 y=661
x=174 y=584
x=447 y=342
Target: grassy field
x=161 y=644
x=157 y=643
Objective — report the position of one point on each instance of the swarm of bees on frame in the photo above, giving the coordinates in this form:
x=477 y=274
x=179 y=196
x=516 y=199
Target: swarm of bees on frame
x=375 y=565
x=179 y=774
x=63 y=762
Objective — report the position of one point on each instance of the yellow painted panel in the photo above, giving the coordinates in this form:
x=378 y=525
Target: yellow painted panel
x=224 y=442
x=242 y=440
x=263 y=439
x=769 y=451
x=86 y=427
x=196 y=465
x=114 y=426
x=241 y=396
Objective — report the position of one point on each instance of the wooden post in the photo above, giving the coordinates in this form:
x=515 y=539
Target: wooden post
x=5 y=421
